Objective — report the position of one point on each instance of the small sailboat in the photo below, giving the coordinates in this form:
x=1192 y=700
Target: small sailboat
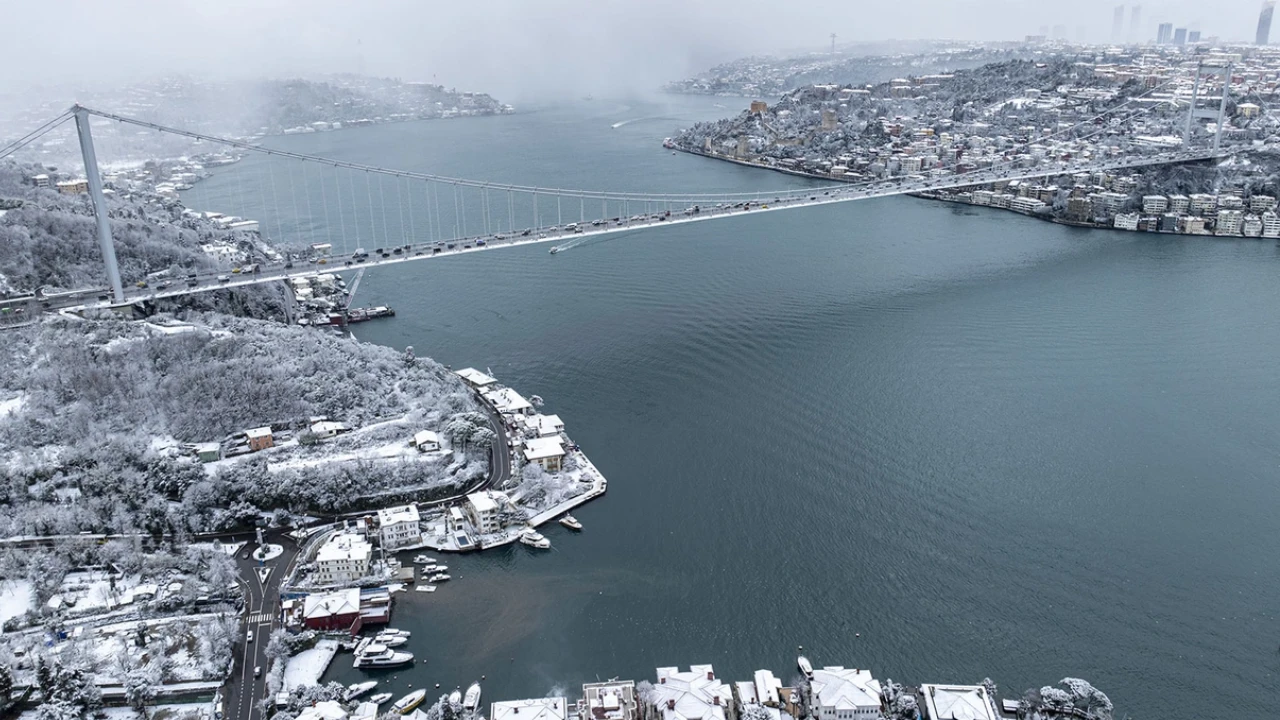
x=471 y=702
x=571 y=522
x=406 y=704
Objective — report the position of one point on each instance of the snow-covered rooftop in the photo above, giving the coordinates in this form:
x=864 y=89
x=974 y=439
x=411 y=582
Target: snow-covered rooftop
x=343 y=547
x=958 y=702
x=542 y=448
x=474 y=377
x=552 y=708
x=839 y=688
x=692 y=695
x=341 y=602
x=258 y=432
x=401 y=514
x=506 y=400
x=481 y=502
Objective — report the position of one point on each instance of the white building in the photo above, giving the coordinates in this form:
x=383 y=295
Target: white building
x=1200 y=202
x=508 y=402
x=1126 y=221
x=1252 y=226
x=1179 y=204
x=1229 y=222
x=1025 y=204
x=1262 y=203
x=398 y=527
x=483 y=507
x=475 y=378
x=962 y=702
x=324 y=710
x=553 y=708
x=1270 y=225
x=426 y=441
x=692 y=695
x=326 y=429
x=547 y=452
x=343 y=558
x=1154 y=204
x=545 y=425
x=982 y=197
x=845 y=694
x=614 y=700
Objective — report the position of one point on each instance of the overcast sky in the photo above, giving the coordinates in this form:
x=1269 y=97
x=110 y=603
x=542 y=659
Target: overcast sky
x=517 y=49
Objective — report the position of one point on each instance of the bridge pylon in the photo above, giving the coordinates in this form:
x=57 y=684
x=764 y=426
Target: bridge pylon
x=100 y=212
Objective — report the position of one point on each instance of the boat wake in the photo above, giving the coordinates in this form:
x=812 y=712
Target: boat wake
x=636 y=120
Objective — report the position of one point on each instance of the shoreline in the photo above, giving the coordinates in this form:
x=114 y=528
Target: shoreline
x=935 y=196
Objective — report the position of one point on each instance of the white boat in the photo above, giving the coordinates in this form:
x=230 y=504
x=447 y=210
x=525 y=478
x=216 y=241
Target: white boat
x=455 y=697
x=533 y=538
x=555 y=250
x=393 y=631
x=379 y=655
x=433 y=568
x=423 y=559
x=803 y=663
x=406 y=704
x=426 y=588
x=364 y=643
x=356 y=690
x=471 y=702
x=379 y=698
x=439 y=578
x=390 y=641
x=571 y=522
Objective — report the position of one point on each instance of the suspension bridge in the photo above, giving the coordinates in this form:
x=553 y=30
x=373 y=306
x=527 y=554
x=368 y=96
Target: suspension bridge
x=434 y=216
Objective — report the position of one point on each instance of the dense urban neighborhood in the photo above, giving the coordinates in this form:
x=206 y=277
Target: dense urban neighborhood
x=1019 y=115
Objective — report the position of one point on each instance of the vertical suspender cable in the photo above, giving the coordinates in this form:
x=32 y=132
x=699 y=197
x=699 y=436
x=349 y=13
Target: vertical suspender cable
x=382 y=200
x=511 y=213
x=559 y=215
x=275 y=201
x=439 y=220
x=306 y=194
x=293 y=195
x=355 y=214
x=408 y=191
x=373 y=226
x=456 y=227
x=463 y=194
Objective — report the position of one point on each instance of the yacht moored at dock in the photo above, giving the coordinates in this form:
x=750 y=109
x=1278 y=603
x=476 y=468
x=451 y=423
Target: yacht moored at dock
x=571 y=522
x=534 y=539
x=380 y=698
x=358 y=689
x=471 y=702
x=406 y=704
x=423 y=560
x=379 y=655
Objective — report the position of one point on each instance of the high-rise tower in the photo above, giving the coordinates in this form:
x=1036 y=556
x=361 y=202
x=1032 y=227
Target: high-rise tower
x=1117 y=24
x=1264 y=21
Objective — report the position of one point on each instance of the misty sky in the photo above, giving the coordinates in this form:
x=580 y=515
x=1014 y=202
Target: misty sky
x=519 y=50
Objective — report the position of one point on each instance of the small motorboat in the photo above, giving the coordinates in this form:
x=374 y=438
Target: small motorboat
x=423 y=560
x=406 y=704
x=379 y=698
x=571 y=522
x=555 y=250
x=439 y=578
x=391 y=640
x=455 y=697
x=802 y=662
x=534 y=539
x=356 y=690
x=471 y=702
x=393 y=631
x=435 y=568
x=425 y=588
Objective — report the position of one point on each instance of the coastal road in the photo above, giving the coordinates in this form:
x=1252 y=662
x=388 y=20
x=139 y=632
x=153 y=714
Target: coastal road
x=262 y=614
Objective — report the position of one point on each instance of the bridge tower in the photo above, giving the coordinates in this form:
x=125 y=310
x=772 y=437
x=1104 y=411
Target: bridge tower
x=99 y=202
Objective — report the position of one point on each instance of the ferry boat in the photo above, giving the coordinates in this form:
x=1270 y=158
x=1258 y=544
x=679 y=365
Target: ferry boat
x=358 y=689
x=378 y=655
x=439 y=578
x=379 y=698
x=406 y=704
x=471 y=702
x=390 y=641
x=571 y=522
x=423 y=560
x=803 y=663
x=535 y=539
x=455 y=697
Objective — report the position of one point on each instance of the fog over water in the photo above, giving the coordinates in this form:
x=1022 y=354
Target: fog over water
x=521 y=50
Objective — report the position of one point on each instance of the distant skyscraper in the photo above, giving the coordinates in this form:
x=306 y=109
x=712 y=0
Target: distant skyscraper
x=1059 y=32
x=1264 y=21
x=1180 y=36
x=1135 y=21
x=1193 y=36
x=1164 y=33
x=1117 y=24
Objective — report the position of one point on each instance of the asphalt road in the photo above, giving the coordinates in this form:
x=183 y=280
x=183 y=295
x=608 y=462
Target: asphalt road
x=262 y=614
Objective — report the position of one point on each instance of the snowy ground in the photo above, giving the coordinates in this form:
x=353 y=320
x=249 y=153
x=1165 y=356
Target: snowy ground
x=268 y=552
x=396 y=450
x=306 y=667
x=16 y=598
x=12 y=406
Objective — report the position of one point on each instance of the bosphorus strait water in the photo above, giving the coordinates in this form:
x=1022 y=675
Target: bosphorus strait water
x=940 y=442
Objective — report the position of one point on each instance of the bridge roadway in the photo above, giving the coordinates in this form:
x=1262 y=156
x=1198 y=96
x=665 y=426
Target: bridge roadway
x=821 y=195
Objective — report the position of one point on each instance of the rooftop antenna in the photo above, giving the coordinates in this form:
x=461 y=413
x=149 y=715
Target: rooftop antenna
x=833 y=43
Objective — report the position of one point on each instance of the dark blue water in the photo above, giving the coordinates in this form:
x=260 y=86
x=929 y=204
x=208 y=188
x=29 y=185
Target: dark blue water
x=940 y=443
